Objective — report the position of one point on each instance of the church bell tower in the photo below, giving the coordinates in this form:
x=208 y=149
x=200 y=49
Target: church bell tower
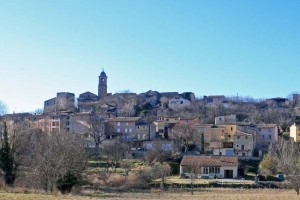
x=102 y=87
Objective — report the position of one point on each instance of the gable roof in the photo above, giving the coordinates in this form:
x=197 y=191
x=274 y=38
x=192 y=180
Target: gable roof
x=210 y=161
x=87 y=93
x=125 y=119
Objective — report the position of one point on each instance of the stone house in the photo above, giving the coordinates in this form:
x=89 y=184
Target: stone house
x=87 y=102
x=215 y=100
x=244 y=144
x=213 y=135
x=228 y=119
x=123 y=127
x=64 y=101
x=178 y=103
x=164 y=125
x=143 y=132
x=210 y=166
x=265 y=134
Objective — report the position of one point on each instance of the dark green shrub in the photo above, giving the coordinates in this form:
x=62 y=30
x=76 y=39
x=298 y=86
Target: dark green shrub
x=175 y=168
x=66 y=183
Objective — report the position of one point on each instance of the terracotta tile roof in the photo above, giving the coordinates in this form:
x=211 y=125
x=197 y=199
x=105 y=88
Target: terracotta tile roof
x=208 y=161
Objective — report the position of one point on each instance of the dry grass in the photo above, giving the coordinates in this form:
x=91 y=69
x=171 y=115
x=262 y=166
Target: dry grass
x=208 y=194
x=178 y=180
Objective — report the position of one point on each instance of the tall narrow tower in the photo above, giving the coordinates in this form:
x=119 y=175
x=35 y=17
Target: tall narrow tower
x=102 y=87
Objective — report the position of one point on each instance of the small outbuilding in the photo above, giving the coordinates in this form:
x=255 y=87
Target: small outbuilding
x=209 y=166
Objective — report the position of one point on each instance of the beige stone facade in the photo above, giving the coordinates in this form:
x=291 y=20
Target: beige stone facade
x=295 y=132
x=244 y=144
x=124 y=127
x=64 y=101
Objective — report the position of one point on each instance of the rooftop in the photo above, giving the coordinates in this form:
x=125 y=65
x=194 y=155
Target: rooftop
x=125 y=119
x=208 y=161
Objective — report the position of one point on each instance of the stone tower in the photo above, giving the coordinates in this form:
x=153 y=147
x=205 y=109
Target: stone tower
x=102 y=87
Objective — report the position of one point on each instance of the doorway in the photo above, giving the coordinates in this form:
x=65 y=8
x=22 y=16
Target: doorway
x=228 y=173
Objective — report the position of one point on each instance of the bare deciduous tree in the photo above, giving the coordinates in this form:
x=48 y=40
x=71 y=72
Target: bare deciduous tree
x=128 y=109
x=162 y=171
x=193 y=169
x=97 y=130
x=53 y=157
x=18 y=140
x=185 y=134
x=114 y=151
x=286 y=155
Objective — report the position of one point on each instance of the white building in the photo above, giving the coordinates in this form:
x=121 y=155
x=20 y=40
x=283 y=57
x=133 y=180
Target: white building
x=178 y=102
x=210 y=166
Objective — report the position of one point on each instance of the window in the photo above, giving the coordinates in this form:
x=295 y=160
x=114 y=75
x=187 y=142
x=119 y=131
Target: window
x=220 y=153
x=246 y=137
x=244 y=154
x=238 y=137
x=130 y=130
x=263 y=136
x=67 y=123
x=270 y=136
x=205 y=170
x=214 y=170
x=53 y=123
x=125 y=130
x=68 y=129
x=118 y=130
x=119 y=123
x=181 y=102
x=243 y=147
x=231 y=128
x=259 y=129
x=126 y=123
x=68 y=117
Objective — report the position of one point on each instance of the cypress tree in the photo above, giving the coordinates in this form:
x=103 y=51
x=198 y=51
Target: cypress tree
x=202 y=143
x=6 y=160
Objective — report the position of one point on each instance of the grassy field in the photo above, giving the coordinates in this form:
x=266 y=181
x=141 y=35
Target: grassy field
x=208 y=194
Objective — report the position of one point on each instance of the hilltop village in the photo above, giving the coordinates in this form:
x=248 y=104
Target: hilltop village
x=219 y=127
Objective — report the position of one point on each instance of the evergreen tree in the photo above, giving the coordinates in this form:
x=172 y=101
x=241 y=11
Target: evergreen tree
x=6 y=160
x=202 y=143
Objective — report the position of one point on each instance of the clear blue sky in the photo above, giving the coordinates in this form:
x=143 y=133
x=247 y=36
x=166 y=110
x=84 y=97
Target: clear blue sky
x=250 y=47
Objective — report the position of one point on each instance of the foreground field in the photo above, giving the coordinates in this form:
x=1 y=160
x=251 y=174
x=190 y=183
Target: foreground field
x=208 y=194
